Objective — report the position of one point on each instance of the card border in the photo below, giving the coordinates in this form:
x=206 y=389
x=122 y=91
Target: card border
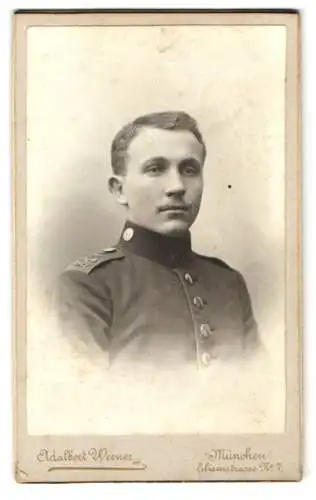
x=27 y=468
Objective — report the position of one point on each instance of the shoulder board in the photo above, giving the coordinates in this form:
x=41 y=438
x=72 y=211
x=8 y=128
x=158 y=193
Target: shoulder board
x=87 y=264
x=216 y=261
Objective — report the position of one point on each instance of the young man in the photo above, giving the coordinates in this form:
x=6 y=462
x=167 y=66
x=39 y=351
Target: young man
x=151 y=299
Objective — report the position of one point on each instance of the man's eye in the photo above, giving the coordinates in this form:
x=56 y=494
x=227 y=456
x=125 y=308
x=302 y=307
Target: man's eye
x=190 y=169
x=154 y=169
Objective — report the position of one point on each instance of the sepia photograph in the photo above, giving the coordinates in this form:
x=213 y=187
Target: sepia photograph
x=157 y=246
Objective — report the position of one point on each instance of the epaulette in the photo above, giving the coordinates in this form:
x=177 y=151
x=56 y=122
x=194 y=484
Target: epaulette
x=216 y=261
x=87 y=264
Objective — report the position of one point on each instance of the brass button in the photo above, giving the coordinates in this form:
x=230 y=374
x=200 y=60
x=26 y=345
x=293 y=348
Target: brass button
x=188 y=278
x=198 y=302
x=206 y=358
x=128 y=234
x=206 y=330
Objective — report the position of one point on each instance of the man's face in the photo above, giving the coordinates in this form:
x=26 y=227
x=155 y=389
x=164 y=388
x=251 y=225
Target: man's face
x=163 y=185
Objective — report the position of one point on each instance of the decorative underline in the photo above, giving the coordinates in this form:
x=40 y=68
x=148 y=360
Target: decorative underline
x=142 y=467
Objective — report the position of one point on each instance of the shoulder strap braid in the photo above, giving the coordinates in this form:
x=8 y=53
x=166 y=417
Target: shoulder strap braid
x=87 y=264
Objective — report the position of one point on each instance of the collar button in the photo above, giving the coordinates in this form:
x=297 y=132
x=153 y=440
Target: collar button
x=128 y=234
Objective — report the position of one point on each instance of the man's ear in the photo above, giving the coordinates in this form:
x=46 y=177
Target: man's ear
x=116 y=185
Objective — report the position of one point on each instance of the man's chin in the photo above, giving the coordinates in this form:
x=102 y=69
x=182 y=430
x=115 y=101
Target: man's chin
x=175 y=228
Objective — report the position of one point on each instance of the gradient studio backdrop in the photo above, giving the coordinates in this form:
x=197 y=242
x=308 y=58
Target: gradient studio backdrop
x=84 y=83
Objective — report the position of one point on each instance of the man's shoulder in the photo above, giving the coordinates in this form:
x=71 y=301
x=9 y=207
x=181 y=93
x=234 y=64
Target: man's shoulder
x=97 y=260
x=215 y=262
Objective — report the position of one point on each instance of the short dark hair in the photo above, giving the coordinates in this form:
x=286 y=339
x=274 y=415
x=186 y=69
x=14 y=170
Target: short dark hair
x=166 y=120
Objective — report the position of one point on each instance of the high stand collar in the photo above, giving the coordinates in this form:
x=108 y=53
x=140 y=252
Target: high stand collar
x=169 y=251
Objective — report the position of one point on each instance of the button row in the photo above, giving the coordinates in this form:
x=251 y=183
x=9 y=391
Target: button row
x=205 y=329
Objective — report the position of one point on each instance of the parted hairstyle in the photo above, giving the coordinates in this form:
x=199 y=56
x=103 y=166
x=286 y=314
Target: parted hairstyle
x=166 y=120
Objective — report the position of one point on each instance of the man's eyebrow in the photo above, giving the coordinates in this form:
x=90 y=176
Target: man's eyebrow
x=191 y=160
x=160 y=160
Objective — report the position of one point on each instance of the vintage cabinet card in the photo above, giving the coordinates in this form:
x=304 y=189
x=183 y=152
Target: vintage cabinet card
x=157 y=246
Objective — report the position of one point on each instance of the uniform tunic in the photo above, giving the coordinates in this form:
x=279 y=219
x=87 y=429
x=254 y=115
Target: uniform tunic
x=151 y=300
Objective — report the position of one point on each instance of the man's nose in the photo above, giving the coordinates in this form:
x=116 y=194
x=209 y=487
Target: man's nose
x=174 y=184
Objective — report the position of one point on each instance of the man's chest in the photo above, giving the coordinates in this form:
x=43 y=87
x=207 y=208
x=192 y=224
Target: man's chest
x=173 y=316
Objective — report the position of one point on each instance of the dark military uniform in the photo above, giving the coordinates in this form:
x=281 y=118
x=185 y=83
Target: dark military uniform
x=152 y=300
